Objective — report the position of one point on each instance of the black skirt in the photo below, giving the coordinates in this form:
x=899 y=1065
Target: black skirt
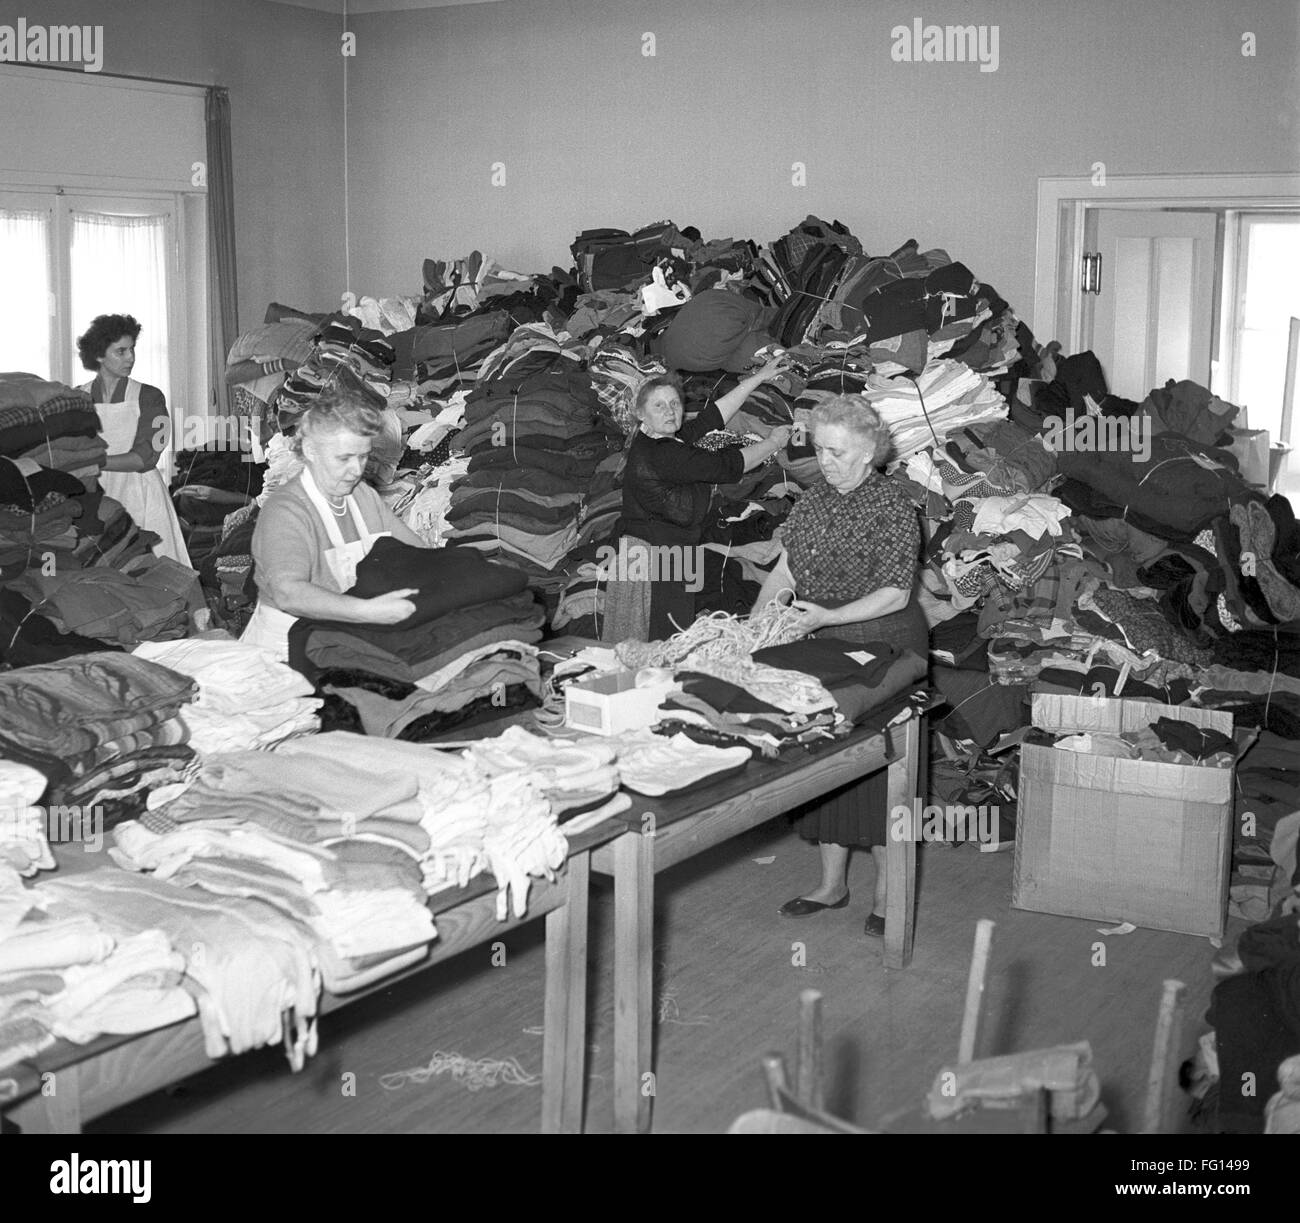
x=855 y=814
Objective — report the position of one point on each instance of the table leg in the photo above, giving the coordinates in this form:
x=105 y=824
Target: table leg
x=634 y=883
x=900 y=853
x=564 y=1047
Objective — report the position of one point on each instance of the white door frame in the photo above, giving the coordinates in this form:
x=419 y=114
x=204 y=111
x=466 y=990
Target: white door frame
x=1063 y=203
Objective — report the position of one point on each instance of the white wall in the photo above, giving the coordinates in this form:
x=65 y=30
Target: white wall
x=283 y=68
x=593 y=133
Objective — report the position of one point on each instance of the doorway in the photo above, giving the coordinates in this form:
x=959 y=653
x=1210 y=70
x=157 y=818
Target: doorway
x=1176 y=277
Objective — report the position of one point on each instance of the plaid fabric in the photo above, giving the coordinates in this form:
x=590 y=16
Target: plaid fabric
x=1038 y=597
x=843 y=546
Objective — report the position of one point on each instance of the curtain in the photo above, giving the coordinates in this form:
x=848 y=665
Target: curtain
x=119 y=266
x=24 y=304
x=223 y=308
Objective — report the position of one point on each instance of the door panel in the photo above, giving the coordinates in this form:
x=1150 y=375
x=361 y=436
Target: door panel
x=1152 y=319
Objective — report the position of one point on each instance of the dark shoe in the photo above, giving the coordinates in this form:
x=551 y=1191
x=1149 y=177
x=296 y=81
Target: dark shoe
x=875 y=926
x=799 y=907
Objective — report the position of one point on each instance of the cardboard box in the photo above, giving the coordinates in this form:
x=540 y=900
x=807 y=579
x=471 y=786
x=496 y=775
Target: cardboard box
x=1122 y=840
x=610 y=704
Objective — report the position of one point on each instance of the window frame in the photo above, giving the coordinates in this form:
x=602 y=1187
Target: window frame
x=1236 y=248
x=186 y=237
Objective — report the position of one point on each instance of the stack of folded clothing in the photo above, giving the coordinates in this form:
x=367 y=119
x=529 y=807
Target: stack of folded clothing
x=68 y=971
x=943 y=399
x=343 y=826
x=28 y=637
x=346 y=355
x=257 y=364
x=39 y=513
x=246 y=698
x=102 y=728
x=150 y=600
x=472 y=821
x=741 y=700
x=52 y=426
x=464 y=604
x=534 y=442
x=579 y=778
x=332 y=848
x=475 y=687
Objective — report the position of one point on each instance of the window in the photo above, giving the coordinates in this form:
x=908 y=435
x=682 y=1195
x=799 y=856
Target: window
x=118 y=265
x=1265 y=296
x=69 y=257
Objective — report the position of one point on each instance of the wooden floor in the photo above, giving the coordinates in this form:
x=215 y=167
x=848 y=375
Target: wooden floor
x=728 y=980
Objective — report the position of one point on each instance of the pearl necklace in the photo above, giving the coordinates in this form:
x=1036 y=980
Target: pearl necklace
x=339 y=510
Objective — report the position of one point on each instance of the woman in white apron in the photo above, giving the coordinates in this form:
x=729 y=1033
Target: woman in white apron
x=313 y=531
x=135 y=424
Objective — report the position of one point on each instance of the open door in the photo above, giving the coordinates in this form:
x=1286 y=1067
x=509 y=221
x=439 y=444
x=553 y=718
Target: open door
x=1152 y=318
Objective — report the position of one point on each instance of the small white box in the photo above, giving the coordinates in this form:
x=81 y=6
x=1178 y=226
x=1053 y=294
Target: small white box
x=611 y=704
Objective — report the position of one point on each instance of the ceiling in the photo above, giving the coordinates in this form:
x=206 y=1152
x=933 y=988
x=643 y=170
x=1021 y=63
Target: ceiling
x=376 y=6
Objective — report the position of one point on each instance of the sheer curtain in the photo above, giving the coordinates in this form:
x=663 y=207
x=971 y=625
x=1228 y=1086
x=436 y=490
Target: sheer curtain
x=24 y=305
x=119 y=266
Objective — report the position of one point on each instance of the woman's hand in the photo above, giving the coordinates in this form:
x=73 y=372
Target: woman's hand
x=773 y=368
x=391 y=608
x=780 y=436
x=814 y=615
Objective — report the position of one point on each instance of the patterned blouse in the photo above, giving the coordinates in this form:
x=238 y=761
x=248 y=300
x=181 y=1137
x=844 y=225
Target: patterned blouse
x=842 y=546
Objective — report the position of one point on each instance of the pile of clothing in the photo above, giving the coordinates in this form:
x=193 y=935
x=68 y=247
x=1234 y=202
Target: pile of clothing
x=51 y=455
x=69 y=970
x=103 y=729
x=48 y=425
x=328 y=840
x=151 y=598
x=387 y=822
x=76 y=568
x=580 y=780
x=246 y=699
x=535 y=433
x=755 y=703
x=261 y=358
x=465 y=652
x=422 y=498
x=909 y=307
x=345 y=354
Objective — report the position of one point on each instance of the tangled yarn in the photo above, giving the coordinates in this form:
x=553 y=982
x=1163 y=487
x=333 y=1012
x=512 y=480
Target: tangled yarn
x=475 y=1075
x=718 y=636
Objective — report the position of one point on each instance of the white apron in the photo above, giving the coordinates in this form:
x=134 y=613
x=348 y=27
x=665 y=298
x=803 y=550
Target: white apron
x=268 y=626
x=143 y=494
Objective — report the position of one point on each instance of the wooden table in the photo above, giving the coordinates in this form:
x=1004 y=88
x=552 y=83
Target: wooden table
x=90 y=1080
x=663 y=832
